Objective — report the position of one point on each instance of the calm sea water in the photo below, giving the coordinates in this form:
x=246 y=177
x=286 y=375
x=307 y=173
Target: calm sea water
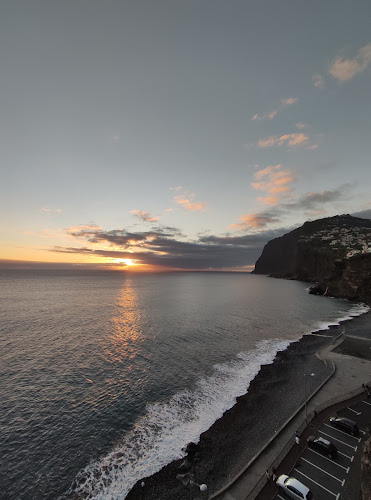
x=105 y=377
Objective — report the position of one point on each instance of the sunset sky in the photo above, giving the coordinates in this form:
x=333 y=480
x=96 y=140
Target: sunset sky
x=179 y=134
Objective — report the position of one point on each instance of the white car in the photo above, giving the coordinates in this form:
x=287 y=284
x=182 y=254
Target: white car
x=294 y=488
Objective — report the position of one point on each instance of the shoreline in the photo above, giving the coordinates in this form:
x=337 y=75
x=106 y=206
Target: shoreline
x=233 y=439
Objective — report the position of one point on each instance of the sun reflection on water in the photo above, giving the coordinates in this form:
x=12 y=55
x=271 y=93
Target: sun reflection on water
x=126 y=335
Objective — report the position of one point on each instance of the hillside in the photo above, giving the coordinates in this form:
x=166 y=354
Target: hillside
x=335 y=252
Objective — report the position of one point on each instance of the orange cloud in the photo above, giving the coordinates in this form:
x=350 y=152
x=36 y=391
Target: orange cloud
x=253 y=221
x=83 y=228
x=275 y=181
x=345 y=69
x=292 y=140
x=269 y=200
x=289 y=101
x=267 y=143
x=189 y=204
x=271 y=114
x=186 y=200
x=266 y=171
x=144 y=216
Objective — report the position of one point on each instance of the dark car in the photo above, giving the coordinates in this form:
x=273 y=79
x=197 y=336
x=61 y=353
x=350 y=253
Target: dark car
x=322 y=446
x=345 y=425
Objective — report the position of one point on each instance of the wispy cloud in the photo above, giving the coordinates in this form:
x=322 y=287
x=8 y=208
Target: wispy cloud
x=269 y=115
x=49 y=210
x=314 y=201
x=144 y=216
x=300 y=125
x=318 y=81
x=254 y=221
x=345 y=69
x=292 y=140
x=274 y=181
x=187 y=200
x=289 y=101
x=265 y=116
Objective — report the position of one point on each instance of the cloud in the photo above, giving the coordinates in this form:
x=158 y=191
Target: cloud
x=289 y=101
x=345 y=69
x=300 y=125
x=186 y=200
x=269 y=200
x=265 y=116
x=48 y=210
x=292 y=140
x=119 y=237
x=274 y=181
x=144 y=216
x=162 y=248
x=315 y=200
x=364 y=214
x=254 y=221
x=318 y=81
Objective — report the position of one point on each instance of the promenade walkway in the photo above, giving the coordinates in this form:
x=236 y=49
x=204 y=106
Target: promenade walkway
x=349 y=373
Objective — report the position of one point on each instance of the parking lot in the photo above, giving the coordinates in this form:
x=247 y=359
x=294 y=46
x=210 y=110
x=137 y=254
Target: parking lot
x=337 y=478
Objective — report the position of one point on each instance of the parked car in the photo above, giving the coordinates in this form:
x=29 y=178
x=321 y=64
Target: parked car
x=322 y=446
x=345 y=425
x=294 y=488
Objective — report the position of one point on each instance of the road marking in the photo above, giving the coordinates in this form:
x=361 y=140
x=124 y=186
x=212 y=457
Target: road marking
x=357 y=412
x=365 y=402
x=280 y=497
x=316 y=466
x=344 y=455
x=345 y=433
x=332 y=461
x=315 y=482
x=336 y=439
x=363 y=432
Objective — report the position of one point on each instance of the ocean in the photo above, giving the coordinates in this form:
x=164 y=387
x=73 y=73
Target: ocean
x=106 y=376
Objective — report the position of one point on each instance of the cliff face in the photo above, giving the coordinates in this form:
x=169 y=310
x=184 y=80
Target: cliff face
x=317 y=251
x=350 y=280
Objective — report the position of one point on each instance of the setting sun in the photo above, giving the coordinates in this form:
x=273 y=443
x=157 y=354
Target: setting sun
x=125 y=262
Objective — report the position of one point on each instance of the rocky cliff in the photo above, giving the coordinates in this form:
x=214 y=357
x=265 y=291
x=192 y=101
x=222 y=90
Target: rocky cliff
x=333 y=252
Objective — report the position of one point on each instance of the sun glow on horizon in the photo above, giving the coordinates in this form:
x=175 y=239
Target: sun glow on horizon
x=125 y=263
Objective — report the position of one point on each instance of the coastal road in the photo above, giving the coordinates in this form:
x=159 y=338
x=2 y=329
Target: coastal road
x=337 y=479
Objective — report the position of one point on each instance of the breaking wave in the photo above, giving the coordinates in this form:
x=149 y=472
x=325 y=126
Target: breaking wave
x=159 y=436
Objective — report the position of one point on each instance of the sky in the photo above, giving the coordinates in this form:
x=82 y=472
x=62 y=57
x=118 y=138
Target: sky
x=178 y=134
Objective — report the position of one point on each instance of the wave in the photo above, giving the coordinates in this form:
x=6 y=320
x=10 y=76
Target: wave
x=159 y=436
x=355 y=311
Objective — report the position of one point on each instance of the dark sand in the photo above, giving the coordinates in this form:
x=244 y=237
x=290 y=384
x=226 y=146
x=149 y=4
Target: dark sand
x=273 y=396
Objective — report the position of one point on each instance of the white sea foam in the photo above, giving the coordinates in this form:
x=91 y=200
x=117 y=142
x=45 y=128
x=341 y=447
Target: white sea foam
x=159 y=436
x=356 y=310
